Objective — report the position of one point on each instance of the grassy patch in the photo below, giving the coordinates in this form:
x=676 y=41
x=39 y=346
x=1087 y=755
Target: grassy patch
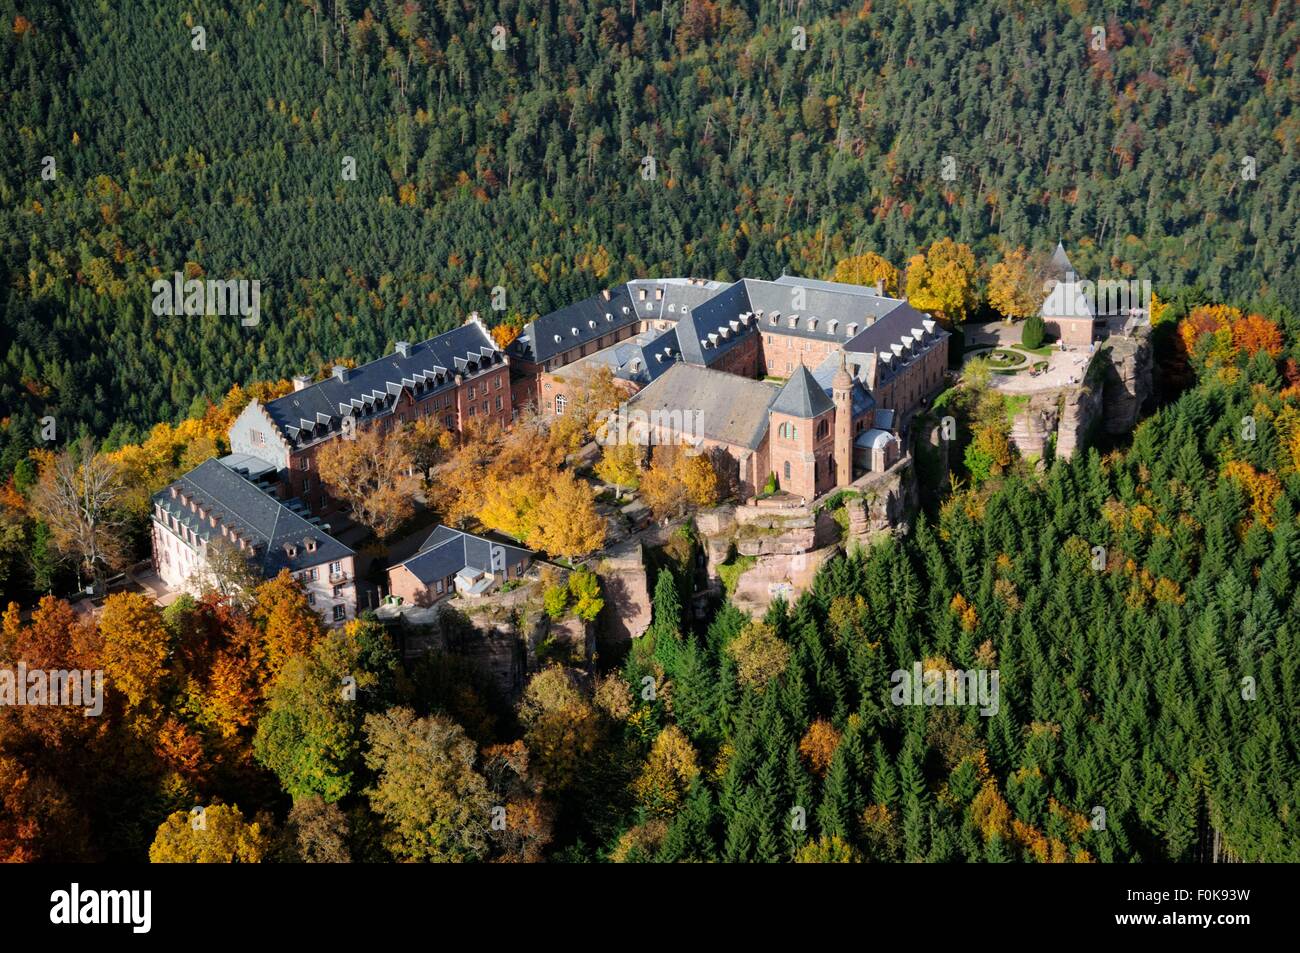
x=1042 y=351
x=730 y=572
x=1015 y=403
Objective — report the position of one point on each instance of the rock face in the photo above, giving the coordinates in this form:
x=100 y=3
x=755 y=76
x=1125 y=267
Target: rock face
x=1115 y=389
x=1081 y=408
x=785 y=576
x=1127 y=386
x=627 y=594
x=1034 y=424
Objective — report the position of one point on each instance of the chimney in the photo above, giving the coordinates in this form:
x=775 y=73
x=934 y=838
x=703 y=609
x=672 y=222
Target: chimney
x=403 y=348
x=880 y=287
x=301 y=381
x=340 y=373
x=605 y=294
x=175 y=490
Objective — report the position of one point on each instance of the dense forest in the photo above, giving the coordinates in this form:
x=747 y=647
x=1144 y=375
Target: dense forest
x=503 y=144
x=1137 y=601
x=1139 y=608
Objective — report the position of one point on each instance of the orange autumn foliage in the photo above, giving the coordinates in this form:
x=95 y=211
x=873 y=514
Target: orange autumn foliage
x=818 y=746
x=1263 y=489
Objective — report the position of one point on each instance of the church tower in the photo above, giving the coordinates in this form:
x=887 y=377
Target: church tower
x=842 y=395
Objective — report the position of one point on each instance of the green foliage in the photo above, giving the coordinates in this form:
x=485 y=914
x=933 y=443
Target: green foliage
x=1032 y=332
x=556 y=600
x=584 y=586
x=731 y=571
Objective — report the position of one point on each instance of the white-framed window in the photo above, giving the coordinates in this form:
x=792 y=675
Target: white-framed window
x=335 y=568
x=340 y=613
x=560 y=401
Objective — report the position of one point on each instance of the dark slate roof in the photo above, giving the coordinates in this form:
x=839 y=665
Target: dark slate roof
x=252 y=513
x=730 y=409
x=829 y=312
x=680 y=296
x=891 y=329
x=574 y=324
x=317 y=410
x=447 y=551
x=802 y=396
x=709 y=330
x=824 y=374
x=640 y=359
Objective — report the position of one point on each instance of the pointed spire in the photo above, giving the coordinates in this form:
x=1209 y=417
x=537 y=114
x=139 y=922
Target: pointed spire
x=842 y=380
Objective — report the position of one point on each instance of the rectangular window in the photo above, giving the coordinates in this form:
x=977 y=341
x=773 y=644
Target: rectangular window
x=311 y=598
x=340 y=613
x=438 y=587
x=471 y=391
x=499 y=380
x=499 y=404
x=304 y=463
x=335 y=568
x=312 y=574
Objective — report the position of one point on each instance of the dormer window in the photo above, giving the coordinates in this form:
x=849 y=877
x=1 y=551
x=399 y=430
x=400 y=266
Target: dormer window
x=591 y=324
x=830 y=328
x=853 y=329
x=812 y=324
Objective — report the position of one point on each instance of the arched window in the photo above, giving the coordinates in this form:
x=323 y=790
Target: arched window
x=787 y=471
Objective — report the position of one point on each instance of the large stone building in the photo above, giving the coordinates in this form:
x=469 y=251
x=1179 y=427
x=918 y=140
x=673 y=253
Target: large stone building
x=452 y=378
x=814 y=432
x=215 y=506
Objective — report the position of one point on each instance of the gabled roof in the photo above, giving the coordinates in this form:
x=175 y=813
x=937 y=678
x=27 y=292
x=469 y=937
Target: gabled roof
x=802 y=397
x=447 y=551
x=714 y=404
x=670 y=298
x=429 y=366
x=824 y=374
x=574 y=325
x=280 y=535
x=815 y=310
x=640 y=359
x=711 y=329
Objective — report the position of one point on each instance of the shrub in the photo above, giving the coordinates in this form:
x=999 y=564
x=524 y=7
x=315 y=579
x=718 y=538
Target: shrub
x=556 y=600
x=1033 y=332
